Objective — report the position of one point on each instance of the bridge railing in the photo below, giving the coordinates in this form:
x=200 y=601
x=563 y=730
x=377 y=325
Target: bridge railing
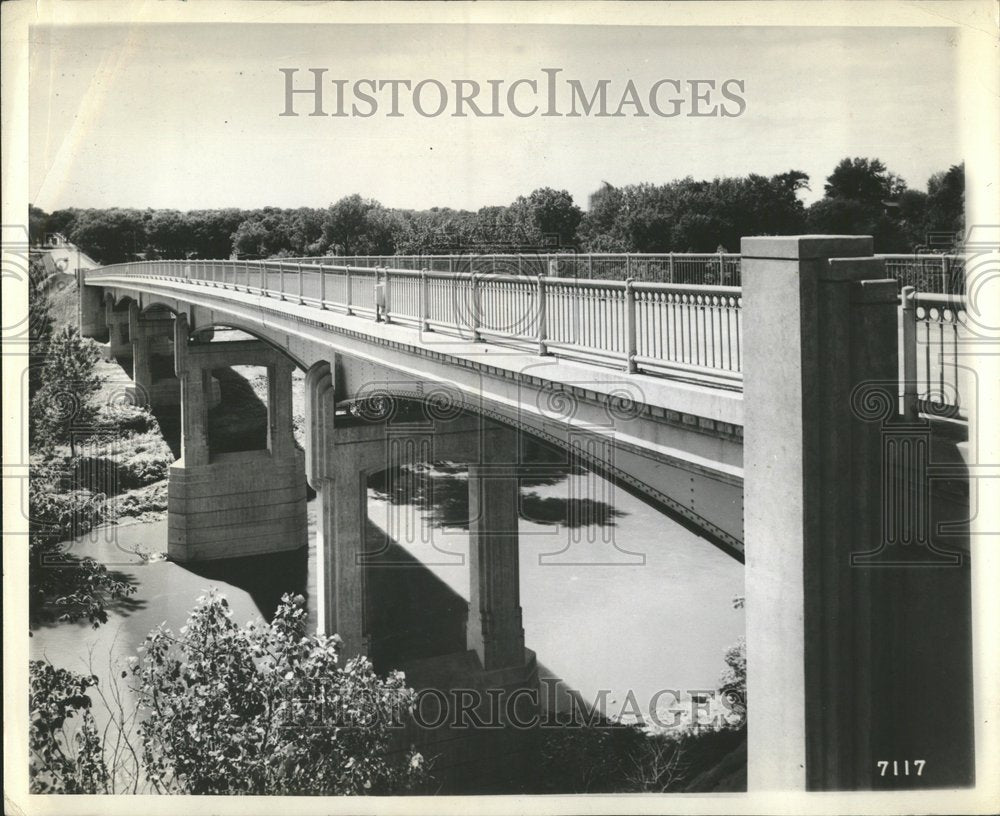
x=926 y=272
x=700 y=269
x=685 y=331
x=933 y=327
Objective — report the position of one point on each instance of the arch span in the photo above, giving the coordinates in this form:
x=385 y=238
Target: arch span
x=590 y=451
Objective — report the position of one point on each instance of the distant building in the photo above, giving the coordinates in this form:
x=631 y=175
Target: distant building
x=55 y=240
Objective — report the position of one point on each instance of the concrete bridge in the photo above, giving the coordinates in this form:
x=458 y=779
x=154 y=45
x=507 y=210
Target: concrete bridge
x=764 y=433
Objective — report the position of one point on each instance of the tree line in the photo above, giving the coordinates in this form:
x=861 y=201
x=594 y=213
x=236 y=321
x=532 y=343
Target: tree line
x=861 y=197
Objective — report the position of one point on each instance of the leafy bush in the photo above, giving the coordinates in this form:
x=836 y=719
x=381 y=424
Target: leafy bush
x=63 y=759
x=120 y=463
x=126 y=418
x=149 y=499
x=578 y=758
x=264 y=709
x=61 y=407
x=62 y=587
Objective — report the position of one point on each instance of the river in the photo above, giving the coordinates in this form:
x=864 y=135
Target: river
x=638 y=603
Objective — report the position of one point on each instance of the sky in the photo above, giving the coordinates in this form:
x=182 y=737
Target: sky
x=163 y=115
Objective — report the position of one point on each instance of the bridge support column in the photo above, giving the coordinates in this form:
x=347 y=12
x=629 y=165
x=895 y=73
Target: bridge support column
x=233 y=504
x=90 y=303
x=824 y=707
x=117 y=321
x=341 y=516
x=142 y=356
x=494 y=631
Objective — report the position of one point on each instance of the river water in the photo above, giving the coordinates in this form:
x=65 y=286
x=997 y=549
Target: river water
x=624 y=600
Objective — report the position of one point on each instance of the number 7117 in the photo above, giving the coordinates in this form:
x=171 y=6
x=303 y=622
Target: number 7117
x=901 y=768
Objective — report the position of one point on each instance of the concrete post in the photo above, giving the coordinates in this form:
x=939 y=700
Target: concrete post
x=280 y=439
x=908 y=342
x=543 y=327
x=341 y=517
x=194 y=410
x=630 y=327
x=142 y=368
x=93 y=322
x=818 y=329
x=425 y=305
x=494 y=628
x=118 y=330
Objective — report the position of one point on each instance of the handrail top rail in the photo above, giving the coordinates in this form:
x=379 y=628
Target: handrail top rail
x=935 y=298
x=572 y=282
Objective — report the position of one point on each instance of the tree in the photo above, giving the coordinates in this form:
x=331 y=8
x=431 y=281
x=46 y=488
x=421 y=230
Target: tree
x=846 y=216
x=547 y=213
x=946 y=201
x=61 y=407
x=39 y=325
x=353 y=227
x=864 y=180
x=599 y=229
x=60 y=761
x=264 y=709
x=249 y=239
x=687 y=215
x=110 y=236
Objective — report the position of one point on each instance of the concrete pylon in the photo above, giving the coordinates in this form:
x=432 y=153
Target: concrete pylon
x=117 y=322
x=233 y=504
x=820 y=330
x=495 y=630
x=91 y=310
x=341 y=516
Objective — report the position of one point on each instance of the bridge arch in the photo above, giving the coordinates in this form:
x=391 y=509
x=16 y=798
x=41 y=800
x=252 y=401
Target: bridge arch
x=440 y=403
x=257 y=334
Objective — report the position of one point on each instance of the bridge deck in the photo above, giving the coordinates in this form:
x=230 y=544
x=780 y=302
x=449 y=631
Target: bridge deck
x=702 y=399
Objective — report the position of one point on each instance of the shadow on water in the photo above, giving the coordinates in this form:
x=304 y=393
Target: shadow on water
x=265 y=578
x=442 y=491
x=411 y=612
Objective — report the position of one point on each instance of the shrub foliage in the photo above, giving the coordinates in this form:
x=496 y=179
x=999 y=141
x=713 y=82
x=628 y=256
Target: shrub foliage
x=264 y=709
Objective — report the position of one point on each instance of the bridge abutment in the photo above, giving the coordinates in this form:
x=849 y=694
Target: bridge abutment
x=92 y=313
x=233 y=504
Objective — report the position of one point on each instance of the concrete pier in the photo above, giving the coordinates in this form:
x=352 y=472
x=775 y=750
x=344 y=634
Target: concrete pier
x=233 y=504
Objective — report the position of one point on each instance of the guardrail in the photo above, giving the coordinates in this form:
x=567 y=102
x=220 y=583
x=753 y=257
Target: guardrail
x=939 y=274
x=704 y=269
x=933 y=325
x=681 y=331
x=944 y=274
